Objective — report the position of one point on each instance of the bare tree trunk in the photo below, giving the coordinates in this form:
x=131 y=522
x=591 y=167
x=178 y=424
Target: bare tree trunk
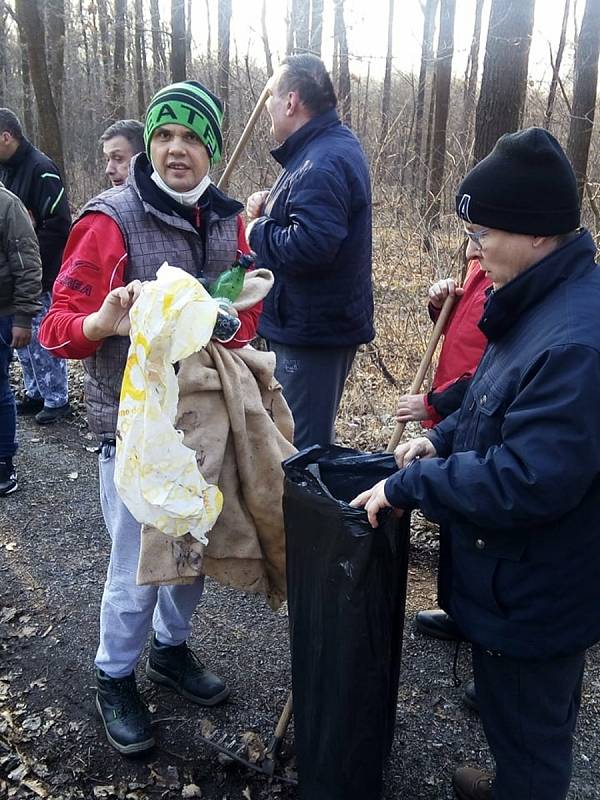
x=316 y=26
x=159 y=59
x=443 y=72
x=363 y=125
x=430 y=123
x=103 y=22
x=556 y=63
x=426 y=59
x=344 y=87
x=140 y=49
x=387 y=80
x=30 y=22
x=209 y=61
x=300 y=25
x=55 y=51
x=118 y=84
x=584 y=92
x=26 y=82
x=504 y=82
x=188 y=37
x=289 y=28
x=471 y=74
x=223 y=65
x=3 y=60
x=177 y=40
x=265 y=38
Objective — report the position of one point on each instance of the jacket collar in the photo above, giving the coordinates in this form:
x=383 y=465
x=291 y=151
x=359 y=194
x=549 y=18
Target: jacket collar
x=213 y=202
x=303 y=135
x=508 y=303
x=19 y=155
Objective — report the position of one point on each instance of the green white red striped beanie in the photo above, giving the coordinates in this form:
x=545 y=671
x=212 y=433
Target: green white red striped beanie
x=192 y=105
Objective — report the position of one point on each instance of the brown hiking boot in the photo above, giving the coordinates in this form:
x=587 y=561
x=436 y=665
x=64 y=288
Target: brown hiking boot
x=472 y=784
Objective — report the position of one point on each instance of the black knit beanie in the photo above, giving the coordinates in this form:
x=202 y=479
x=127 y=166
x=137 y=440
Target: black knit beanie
x=525 y=185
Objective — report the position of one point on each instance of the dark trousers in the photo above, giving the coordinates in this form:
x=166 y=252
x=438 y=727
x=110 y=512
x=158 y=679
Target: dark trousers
x=313 y=381
x=529 y=710
x=8 y=420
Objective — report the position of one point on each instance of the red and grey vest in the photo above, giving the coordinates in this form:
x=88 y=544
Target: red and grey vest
x=151 y=237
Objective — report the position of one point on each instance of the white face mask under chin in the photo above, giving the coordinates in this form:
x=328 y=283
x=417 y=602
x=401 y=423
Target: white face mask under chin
x=189 y=198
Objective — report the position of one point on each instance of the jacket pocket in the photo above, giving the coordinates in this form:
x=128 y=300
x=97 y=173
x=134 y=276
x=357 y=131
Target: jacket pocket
x=487 y=406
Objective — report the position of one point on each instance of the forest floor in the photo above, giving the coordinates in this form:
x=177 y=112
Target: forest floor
x=53 y=556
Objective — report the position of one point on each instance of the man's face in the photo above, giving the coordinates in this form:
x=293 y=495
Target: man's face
x=279 y=108
x=8 y=145
x=118 y=152
x=179 y=157
x=502 y=255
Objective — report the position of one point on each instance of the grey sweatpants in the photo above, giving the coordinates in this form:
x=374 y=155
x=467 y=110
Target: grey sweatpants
x=313 y=380
x=128 y=611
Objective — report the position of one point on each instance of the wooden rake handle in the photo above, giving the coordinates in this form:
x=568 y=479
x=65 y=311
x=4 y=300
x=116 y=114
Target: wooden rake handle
x=417 y=383
x=246 y=133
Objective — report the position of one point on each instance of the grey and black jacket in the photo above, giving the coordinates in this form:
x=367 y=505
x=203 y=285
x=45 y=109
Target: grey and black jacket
x=20 y=266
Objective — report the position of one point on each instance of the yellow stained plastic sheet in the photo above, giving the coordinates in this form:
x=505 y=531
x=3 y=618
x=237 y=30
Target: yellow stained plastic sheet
x=155 y=473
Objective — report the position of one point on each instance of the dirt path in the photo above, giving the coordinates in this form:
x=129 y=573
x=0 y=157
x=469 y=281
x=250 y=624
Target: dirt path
x=53 y=555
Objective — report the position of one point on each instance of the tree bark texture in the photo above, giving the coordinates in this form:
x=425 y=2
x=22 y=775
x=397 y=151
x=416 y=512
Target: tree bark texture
x=472 y=71
x=104 y=20
x=387 y=79
x=301 y=25
x=584 y=92
x=177 y=41
x=265 y=38
x=55 y=49
x=316 y=26
x=159 y=59
x=118 y=82
x=504 y=82
x=344 y=87
x=426 y=59
x=223 y=61
x=140 y=49
x=30 y=22
x=443 y=73
x=556 y=64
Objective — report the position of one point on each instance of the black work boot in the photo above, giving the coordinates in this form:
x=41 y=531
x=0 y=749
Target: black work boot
x=8 y=476
x=125 y=717
x=28 y=405
x=183 y=671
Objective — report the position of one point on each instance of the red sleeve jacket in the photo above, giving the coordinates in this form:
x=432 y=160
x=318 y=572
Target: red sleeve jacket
x=94 y=263
x=463 y=347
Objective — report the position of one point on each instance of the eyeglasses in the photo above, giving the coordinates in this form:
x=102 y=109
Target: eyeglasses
x=476 y=236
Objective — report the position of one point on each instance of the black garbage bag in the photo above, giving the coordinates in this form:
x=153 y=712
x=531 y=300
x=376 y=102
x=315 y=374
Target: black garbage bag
x=346 y=597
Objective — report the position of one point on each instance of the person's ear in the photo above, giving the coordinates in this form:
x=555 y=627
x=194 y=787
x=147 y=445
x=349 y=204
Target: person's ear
x=293 y=103
x=539 y=241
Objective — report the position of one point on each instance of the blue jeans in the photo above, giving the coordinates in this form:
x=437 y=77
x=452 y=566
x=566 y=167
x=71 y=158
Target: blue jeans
x=8 y=417
x=313 y=381
x=44 y=376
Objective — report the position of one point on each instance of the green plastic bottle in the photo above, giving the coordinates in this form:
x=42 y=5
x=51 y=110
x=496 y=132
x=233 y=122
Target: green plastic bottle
x=229 y=284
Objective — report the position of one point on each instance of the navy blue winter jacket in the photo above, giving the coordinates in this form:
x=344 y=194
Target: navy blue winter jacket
x=517 y=489
x=316 y=238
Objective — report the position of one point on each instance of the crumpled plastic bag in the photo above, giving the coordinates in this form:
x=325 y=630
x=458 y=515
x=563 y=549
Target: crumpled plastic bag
x=156 y=475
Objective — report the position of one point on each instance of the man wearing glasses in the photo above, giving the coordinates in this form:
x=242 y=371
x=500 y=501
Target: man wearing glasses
x=514 y=475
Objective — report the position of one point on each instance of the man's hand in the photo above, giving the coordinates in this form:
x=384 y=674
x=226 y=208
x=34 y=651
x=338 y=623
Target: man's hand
x=439 y=291
x=420 y=447
x=255 y=203
x=373 y=500
x=112 y=318
x=20 y=336
x=411 y=407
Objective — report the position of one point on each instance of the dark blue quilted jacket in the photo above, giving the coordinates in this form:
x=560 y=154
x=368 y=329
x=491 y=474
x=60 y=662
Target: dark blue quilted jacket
x=316 y=238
